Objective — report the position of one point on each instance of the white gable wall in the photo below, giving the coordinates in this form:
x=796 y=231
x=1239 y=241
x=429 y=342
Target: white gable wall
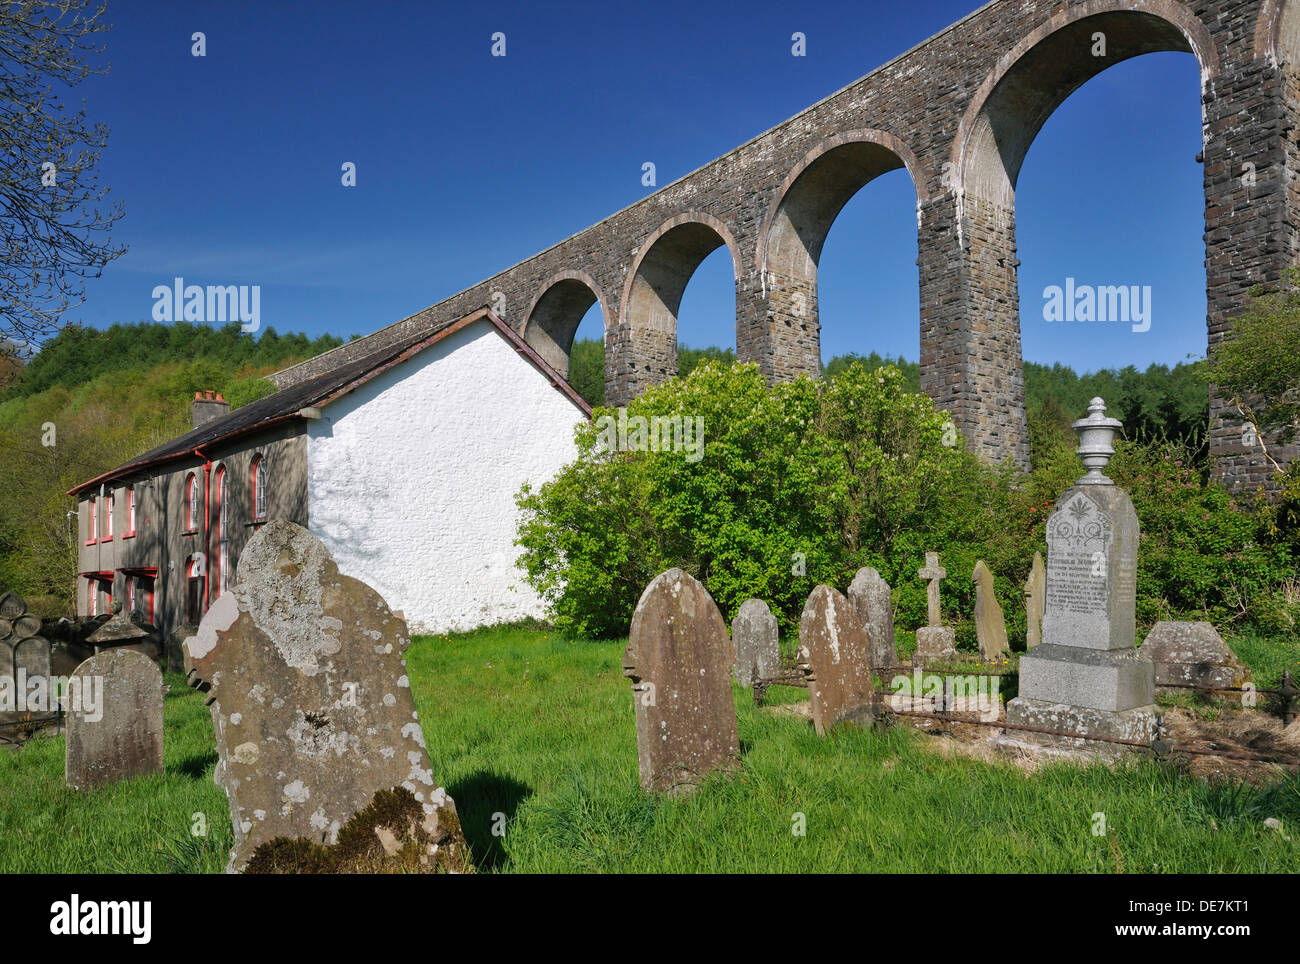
x=411 y=478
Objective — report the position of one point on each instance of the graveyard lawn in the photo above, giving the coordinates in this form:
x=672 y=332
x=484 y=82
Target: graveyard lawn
x=535 y=738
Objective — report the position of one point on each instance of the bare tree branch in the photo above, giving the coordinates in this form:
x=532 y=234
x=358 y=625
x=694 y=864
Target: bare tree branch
x=53 y=233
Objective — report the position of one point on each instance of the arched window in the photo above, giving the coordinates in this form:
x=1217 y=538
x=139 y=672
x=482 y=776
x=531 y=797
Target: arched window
x=259 y=487
x=191 y=502
x=195 y=575
x=108 y=518
x=223 y=541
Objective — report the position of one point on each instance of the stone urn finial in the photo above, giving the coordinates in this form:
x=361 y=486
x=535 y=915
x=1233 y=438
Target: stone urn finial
x=1096 y=437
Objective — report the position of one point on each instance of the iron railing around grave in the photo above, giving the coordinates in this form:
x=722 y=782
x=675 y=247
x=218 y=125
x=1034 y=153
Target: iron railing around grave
x=1286 y=693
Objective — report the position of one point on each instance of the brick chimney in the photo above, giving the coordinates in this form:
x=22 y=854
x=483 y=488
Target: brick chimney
x=206 y=407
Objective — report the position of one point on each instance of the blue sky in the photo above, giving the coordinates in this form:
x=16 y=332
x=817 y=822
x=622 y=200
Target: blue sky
x=229 y=164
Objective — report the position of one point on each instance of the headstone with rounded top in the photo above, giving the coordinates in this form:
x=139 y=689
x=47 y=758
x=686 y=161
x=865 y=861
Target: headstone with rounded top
x=834 y=656
x=754 y=634
x=680 y=661
x=870 y=595
x=115 y=720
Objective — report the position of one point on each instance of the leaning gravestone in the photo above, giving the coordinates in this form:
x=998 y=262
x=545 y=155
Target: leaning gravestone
x=173 y=646
x=1035 y=590
x=870 y=596
x=680 y=661
x=834 y=656
x=117 y=732
x=313 y=713
x=1193 y=654
x=755 y=637
x=1086 y=677
x=990 y=625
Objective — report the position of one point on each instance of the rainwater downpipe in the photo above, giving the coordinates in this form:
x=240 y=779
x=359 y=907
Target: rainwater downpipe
x=207 y=475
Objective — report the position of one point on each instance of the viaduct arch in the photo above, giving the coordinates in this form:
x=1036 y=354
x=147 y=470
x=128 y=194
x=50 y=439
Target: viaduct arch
x=958 y=112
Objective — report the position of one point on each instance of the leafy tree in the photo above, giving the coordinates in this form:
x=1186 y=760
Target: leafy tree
x=797 y=483
x=688 y=358
x=803 y=482
x=54 y=234
x=1257 y=365
x=587 y=369
x=587 y=365
x=911 y=370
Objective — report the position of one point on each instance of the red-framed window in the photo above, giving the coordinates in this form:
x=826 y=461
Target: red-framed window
x=195 y=577
x=130 y=512
x=92 y=527
x=140 y=590
x=223 y=540
x=99 y=592
x=259 y=488
x=108 y=516
x=191 y=502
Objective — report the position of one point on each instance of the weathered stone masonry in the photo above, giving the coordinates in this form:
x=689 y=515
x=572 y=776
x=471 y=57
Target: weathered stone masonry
x=958 y=112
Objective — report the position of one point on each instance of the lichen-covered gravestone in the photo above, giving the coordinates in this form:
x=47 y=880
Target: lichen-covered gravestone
x=870 y=596
x=680 y=661
x=990 y=625
x=755 y=637
x=834 y=658
x=1193 y=654
x=314 y=716
x=119 y=733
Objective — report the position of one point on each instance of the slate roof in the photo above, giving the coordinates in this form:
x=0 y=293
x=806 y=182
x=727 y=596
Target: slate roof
x=287 y=404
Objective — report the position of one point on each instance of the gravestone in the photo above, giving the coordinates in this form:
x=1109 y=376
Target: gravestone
x=1035 y=595
x=1086 y=677
x=834 y=656
x=990 y=625
x=312 y=708
x=935 y=643
x=680 y=661
x=754 y=634
x=1193 y=654
x=870 y=596
x=25 y=664
x=174 y=646
x=127 y=630
x=122 y=735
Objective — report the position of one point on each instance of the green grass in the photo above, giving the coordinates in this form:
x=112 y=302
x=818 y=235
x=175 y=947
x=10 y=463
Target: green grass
x=540 y=729
x=136 y=826
x=1267 y=657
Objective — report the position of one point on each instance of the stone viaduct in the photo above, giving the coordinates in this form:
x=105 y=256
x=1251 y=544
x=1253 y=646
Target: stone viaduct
x=959 y=113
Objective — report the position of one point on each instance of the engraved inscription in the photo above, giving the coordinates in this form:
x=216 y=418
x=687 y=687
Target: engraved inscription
x=1079 y=539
